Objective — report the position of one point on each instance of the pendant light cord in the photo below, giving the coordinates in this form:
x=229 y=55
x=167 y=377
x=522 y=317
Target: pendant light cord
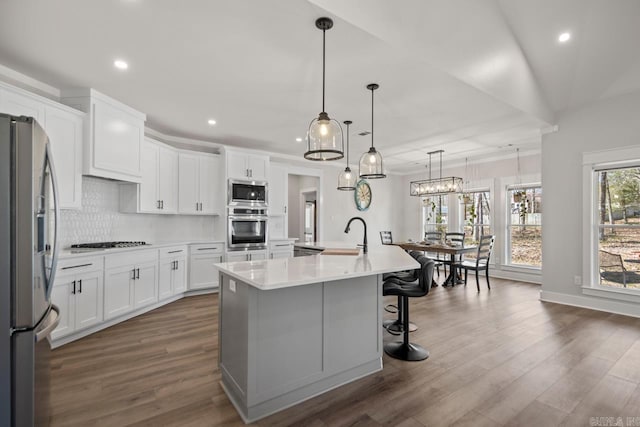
x=372 y=117
x=323 y=65
x=347 y=145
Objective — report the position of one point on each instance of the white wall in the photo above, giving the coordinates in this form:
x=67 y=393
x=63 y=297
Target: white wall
x=336 y=207
x=611 y=123
x=100 y=220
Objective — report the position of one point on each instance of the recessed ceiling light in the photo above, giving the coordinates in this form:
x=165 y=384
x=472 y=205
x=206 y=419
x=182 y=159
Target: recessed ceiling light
x=564 y=37
x=211 y=122
x=120 y=64
x=298 y=139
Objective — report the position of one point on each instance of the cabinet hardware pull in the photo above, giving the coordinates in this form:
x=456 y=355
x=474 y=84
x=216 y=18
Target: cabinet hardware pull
x=137 y=273
x=80 y=286
x=76 y=266
x=286 y=244
x=134 y=274
x=174 y=252
x=285 y=209
x=158 y=204
x=200 y=206
x=74 y=288
x=161 y=204
x=206 y=249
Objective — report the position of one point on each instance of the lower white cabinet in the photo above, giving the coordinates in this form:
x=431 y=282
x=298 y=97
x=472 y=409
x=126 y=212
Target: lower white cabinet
x=172 y=278
x=202 y=257
x=280 y=249
x=246 y=256
x=131 y=281
x=78 y=291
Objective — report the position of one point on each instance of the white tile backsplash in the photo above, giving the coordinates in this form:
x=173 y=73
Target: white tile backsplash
x=100 y=220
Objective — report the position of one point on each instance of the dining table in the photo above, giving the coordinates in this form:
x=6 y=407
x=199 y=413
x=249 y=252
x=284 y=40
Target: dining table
x=442 y=248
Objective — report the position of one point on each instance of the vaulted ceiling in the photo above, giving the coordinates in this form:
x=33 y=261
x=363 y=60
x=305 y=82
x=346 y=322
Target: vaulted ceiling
x=475 y=78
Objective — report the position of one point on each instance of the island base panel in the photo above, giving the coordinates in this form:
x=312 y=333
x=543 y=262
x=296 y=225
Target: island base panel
x=282 y=346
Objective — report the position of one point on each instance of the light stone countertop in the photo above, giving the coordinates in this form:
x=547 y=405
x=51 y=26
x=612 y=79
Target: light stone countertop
x=288 y=272
x=68 y=253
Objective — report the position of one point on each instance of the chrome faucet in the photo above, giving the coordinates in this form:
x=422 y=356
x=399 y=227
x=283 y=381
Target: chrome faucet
x=364 y=243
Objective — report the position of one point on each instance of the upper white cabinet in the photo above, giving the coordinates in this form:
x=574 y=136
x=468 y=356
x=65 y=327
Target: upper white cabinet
x=243 y=165
x=19 y=103
x=158 y=189
x=199 y=184
x=114 y=136
x=278 y=185
x=64 y=126
x=64 y=129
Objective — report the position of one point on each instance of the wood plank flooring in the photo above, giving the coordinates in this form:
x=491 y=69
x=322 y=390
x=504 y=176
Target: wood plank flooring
x=498 y=357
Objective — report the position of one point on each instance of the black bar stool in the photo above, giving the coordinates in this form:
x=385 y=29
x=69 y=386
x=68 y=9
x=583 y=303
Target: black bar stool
x=405 y=350
x=395 y=327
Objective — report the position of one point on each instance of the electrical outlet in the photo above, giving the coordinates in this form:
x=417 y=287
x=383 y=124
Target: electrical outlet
x=232 y=285
x=577 y=280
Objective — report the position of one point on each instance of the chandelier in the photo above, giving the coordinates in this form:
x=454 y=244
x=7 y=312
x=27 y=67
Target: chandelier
x=436 y=186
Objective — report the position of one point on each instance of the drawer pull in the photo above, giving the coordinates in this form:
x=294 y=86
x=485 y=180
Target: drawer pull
x=174 y=252
x=76 y=266
x=280 y=246
x=207 y=249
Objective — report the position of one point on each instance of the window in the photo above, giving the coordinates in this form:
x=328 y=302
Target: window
x=434 y=213
x=476 y=211
x=618 y=227
x=524 y=229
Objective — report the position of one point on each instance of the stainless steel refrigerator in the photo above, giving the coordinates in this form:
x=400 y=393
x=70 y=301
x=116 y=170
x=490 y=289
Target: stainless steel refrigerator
x=28 y=257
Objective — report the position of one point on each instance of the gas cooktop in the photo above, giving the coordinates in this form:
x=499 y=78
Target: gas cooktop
x=107 y=245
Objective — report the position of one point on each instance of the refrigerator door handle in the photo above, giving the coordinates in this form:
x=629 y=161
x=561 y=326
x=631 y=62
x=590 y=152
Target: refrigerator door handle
x=52 y=323
x=56 y=219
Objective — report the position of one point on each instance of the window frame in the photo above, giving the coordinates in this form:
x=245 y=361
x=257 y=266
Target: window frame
x=592 y=163
x=463 y=213
x=507 y=226
x=444 y=201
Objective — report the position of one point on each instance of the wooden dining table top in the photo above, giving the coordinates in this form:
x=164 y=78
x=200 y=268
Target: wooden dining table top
x=435 y=247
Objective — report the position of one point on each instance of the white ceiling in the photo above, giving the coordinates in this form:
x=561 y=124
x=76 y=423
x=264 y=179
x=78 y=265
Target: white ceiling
x=467 y=77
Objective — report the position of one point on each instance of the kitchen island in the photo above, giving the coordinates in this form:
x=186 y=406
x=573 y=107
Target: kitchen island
x=293 y=328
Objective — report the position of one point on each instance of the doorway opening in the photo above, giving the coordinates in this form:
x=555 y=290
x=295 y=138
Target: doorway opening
x=304 y=207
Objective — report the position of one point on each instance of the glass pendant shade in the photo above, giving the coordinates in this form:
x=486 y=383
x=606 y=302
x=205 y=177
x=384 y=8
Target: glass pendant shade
x=324 y=139
x=347 y=180
x=371 y=165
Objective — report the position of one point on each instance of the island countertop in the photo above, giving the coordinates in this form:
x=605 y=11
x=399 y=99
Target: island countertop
x=287 y=272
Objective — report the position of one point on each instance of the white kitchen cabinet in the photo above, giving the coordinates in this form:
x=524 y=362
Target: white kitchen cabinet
x=65 y=131
x=278 y=189
x=113 y=137
x=202 y=257
x=64 y=127
x=131 y=282
x=246 y=256
x=78 y=292
x=247 y=166
x=199 y=184
x=158 y=188
x=280 y=249
x=172 y=279
x=18 y=103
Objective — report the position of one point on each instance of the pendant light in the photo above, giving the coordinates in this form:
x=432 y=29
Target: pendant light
x=324 y=138
x=371 y=161
x=436 y=186
x=347 y=179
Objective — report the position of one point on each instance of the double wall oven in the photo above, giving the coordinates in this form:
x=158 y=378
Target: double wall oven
x=248 y=216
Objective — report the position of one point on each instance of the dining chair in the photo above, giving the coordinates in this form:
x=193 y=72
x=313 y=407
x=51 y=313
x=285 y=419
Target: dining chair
x=454 y=239
x=435 y=237
x=485 y=246
x=385 y=237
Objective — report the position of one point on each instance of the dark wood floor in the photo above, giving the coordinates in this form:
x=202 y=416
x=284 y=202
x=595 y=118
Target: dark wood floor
x=497 y=358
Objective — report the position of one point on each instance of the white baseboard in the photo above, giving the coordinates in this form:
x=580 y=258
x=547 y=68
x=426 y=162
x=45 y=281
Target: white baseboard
x=599 y=304
x=108 y=323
